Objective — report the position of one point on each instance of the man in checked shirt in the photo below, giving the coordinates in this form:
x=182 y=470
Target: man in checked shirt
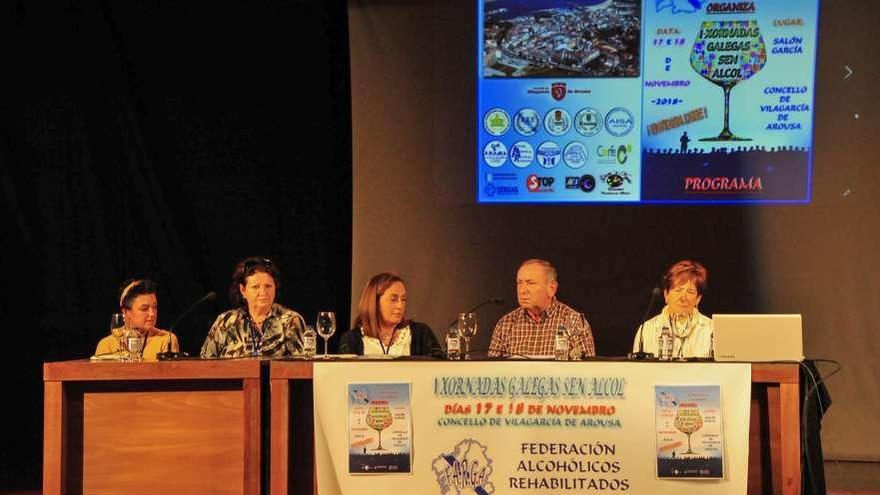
x=530 y=329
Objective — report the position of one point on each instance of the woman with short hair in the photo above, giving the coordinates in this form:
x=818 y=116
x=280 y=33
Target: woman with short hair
x=683 y=286
x=257 y=325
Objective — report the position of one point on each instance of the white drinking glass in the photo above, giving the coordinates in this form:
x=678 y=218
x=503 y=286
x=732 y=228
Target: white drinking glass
x=467 y=328
x=326 y=327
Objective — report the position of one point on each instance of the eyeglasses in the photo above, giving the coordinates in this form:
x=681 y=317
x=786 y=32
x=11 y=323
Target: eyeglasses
x=252 y=262
x=684 y=290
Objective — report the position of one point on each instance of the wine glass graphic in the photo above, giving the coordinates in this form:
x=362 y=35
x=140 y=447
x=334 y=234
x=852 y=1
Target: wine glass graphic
x=727 y=53
x=688 y=420
x=378 y=418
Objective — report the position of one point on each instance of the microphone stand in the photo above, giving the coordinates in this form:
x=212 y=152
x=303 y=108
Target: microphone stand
x=496 y=300
x=170 y=355
x=642 y=355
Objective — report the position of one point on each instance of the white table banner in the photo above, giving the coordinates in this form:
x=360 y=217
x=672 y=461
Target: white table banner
x=536 y=427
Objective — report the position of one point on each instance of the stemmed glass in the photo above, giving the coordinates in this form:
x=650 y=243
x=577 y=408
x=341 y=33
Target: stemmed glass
x=467 y=328
x=725 y=67
x=326 y=327
x=688 y=420
x=378 y=418
x=117 y=328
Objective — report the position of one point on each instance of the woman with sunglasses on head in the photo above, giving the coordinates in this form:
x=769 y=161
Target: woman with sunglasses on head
x=140 y=308
x=257 y=325
x=683 y=287
x=381 y=326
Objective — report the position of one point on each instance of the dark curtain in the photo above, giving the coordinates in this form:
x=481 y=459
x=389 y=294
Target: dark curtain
x=164 y=140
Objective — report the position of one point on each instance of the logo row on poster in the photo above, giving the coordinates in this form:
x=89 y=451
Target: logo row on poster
x=549 y=154
x=558 y=121
x=613 y=182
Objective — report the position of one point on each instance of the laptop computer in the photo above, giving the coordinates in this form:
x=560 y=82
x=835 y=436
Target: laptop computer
x=758 y=338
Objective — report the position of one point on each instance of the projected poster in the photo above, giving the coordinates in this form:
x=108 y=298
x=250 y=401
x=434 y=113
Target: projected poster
x=678 y=101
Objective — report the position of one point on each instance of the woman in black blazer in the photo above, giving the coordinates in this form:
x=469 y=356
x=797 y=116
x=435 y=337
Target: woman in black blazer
x=381 y=326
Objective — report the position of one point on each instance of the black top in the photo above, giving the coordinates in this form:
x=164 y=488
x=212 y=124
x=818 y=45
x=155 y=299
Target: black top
x=424 y=342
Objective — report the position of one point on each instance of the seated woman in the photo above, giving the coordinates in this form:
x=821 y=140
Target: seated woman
x=683 y=286
x=257 y=326
x=380 y=326
x=139 y=306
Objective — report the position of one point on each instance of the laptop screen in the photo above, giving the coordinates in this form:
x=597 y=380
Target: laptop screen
x=758 y=337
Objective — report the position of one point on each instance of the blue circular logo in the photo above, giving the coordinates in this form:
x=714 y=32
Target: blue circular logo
x=619 y=122
x=575 y=155
x=548 y=154
x=527 y=121
x=521 y=154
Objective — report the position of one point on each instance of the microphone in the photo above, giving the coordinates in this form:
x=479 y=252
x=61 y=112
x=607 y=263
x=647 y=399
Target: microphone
x=496 y=300
x=170 y=355
x=642 y=355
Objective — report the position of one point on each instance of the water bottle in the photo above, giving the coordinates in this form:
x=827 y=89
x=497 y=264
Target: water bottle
x=560 y=345
x=712 y=346
x=134 y=342
x=664 y=344
x=453 y=343
x=310 y=342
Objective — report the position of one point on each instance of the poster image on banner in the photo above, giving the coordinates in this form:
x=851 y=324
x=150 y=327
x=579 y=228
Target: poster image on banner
x=379 y=428
x=689 y=434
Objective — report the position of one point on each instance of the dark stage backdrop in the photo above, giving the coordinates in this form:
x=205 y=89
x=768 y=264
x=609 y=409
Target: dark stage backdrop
x=413 y=100
x=166 y=140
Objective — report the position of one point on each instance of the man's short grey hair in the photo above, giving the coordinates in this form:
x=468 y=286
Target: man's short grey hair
x=549 y=269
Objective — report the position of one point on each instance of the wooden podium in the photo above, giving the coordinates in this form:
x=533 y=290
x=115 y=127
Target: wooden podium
x=174 y=427
x=293 y=433
x=774 y=429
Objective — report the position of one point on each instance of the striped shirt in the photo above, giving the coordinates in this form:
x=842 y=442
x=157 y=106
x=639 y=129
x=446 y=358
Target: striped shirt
x=516 y=333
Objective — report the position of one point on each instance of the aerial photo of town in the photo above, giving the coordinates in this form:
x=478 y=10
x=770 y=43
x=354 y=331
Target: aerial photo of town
x=561 y=38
